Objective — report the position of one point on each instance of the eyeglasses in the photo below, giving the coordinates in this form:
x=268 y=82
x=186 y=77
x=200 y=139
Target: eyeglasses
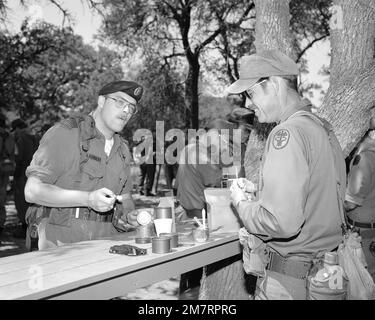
x=249 y=92
x=124 y=105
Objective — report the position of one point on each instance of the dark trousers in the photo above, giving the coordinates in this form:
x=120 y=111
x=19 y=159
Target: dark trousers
x=170 y=171
x=146 y=180
x=4 y=179
x=191 y=213
x=19 y=197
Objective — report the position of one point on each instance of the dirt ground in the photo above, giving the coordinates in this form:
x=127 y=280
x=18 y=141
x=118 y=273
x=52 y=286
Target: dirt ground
x=164 y=290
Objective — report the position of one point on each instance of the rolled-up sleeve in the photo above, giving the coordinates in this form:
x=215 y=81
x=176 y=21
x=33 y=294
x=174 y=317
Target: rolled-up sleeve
x=279 y=213
x=54 y=155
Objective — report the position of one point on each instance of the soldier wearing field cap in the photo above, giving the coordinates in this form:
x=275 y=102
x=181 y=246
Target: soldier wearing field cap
x=79 y=178
x=297 y=212
x=360 y=195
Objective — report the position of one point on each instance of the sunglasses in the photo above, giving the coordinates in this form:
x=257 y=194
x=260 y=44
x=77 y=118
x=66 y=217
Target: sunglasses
x=249 y=92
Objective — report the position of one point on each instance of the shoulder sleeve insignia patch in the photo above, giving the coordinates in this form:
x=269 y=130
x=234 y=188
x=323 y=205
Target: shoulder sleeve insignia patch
x=356 y=160
x=280 y=139
x=372 y=248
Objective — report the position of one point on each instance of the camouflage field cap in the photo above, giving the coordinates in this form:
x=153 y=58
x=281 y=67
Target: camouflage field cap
x=262 y=65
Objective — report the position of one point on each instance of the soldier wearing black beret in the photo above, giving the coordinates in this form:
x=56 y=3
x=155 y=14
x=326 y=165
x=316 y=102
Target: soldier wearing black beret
x=79 y=179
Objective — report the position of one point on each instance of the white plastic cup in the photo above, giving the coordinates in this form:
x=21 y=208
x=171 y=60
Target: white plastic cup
x=163 y=225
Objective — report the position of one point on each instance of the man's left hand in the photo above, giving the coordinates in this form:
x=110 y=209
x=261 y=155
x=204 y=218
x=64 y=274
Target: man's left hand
x=237 y=194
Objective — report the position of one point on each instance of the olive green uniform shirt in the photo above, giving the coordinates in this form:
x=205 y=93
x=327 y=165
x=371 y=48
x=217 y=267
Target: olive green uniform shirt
x=57 y=162
x=298 y=208
x=195 y=174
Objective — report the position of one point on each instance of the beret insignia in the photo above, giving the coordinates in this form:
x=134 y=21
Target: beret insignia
x=130 y=88
x=280 y=139
x=138 y=91
x=356 y=160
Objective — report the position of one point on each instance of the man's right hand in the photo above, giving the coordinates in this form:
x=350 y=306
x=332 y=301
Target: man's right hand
x=101 y=200
x=246 y=185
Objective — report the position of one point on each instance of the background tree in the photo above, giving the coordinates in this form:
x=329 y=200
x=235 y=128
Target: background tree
x=351 y=95
x=47 y=72
x=4 y=10
x=175 y=29
x=163 y=98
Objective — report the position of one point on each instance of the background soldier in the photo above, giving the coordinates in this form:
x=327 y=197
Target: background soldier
x=360 y=195
x=6 y=167
x=25 y=146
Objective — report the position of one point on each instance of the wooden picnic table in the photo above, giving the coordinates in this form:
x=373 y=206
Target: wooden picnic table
x=86 y=270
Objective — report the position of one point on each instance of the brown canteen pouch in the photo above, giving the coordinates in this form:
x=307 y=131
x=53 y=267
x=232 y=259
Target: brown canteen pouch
x=335 y=287
x=255 y=254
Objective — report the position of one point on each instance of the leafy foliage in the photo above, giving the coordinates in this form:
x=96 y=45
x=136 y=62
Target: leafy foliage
x=173 y=30
x=162 y=99
x=47 y=72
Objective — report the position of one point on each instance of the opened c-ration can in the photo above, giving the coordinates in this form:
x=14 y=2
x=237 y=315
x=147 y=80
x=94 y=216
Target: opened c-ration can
x=174 y=238
x=161 y=244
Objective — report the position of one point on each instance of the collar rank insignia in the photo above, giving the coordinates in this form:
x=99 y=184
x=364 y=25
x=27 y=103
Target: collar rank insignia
x=281 y=139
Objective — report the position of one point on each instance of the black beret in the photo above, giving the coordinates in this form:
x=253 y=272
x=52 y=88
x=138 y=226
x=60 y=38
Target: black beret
x=131 y=88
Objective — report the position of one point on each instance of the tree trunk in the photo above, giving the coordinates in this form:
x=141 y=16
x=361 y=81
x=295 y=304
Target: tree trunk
x=224 y=280
x=352 y=82
x=192 y=93
x=272 y=29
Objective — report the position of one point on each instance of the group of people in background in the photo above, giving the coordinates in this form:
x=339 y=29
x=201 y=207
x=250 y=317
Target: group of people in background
x=17 y=147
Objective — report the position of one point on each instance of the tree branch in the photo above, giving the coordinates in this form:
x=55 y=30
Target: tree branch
x=65 y=12
x=309 y=46
x=209 y=39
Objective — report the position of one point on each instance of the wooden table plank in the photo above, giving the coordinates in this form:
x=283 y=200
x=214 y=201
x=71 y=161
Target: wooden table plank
x=90 y=265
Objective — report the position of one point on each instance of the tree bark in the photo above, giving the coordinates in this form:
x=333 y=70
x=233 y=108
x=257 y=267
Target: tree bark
x=192 y=92
x=224 y=280
x=272 y=29
x=352 y=73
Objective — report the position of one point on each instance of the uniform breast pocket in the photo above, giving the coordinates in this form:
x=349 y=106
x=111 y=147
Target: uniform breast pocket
x=91 y=177
x=93 y=172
